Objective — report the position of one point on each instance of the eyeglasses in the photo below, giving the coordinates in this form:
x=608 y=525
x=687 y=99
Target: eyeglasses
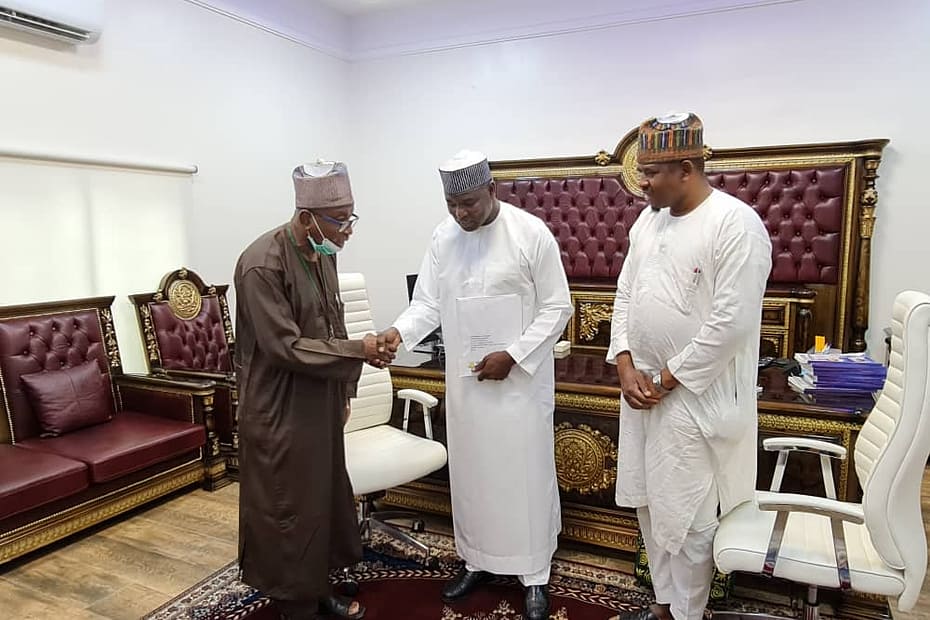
x=344 y=225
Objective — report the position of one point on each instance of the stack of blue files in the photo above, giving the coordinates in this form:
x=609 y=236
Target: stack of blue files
x=849 y=381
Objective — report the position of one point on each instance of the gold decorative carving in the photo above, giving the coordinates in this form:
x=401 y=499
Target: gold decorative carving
x=602 y=158
x=184 y=299
x=624 y=540
x=148 y=329
x=585 y=459
x=109 y=338
x=628 y=170
x=588 y=402
x=227 y=322
x=868 y=199
x=591 y=315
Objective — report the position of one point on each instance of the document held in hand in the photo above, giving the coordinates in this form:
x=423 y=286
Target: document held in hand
x=486 y=325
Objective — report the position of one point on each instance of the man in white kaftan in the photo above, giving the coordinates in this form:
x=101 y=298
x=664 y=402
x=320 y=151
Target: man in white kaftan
x=685 y=337
x=505 y=498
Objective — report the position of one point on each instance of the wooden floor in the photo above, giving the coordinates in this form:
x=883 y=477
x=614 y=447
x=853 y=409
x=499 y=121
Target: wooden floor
x=129 y=568
x=126 y=569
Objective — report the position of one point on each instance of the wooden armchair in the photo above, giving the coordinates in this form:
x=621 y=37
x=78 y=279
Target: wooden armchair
x=187 y=333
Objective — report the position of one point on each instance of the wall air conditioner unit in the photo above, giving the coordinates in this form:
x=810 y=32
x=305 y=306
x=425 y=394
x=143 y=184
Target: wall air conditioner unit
x=73 y=21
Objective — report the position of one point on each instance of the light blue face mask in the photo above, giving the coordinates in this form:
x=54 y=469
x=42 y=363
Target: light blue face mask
x=328 y=247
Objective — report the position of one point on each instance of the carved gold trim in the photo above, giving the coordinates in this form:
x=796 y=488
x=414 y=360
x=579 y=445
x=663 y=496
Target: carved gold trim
x=585 y=459
x=808 y=426
x=407 y=497
x=184 y=299
x=588 y=402
x=623 y=539
x=59 y=525
x=227 y=322
x=436 y=387
x=602 y=158
x=148 y=330
x=556 y=172
x=109 y=338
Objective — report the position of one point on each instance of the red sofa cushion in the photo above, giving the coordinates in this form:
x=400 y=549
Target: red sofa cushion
x=67 y=399
x=129 y=442
x=29 y=479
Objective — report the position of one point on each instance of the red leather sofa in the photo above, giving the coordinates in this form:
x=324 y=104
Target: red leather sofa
x=80 y=441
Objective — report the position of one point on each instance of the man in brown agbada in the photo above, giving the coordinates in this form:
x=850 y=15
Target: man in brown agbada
x=296 y=371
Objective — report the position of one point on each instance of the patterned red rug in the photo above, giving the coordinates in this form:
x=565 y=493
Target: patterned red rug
x=394 y=587
x=396 y=584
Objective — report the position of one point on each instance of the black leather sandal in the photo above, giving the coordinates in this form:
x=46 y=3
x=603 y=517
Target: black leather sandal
x=334 y=605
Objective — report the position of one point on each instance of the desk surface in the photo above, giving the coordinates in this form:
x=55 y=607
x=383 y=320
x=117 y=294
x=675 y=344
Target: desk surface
x=588 y=373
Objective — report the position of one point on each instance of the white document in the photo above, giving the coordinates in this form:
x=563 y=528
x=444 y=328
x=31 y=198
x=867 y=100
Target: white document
x=486 y=325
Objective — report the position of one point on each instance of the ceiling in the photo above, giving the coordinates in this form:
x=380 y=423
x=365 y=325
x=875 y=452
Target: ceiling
x=359 y=7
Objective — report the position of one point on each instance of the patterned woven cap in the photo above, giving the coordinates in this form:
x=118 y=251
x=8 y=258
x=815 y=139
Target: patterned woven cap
x=466 y=171
x=672 y=137
x=322 y=185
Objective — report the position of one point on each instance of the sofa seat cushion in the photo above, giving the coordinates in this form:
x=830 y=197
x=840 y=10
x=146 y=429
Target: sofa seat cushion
x=129 y=442
x=29 y=478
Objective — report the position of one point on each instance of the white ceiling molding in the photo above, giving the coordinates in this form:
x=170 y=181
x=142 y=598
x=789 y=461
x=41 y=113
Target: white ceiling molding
x=305 y=22
x=410 y=28
x=443 y=26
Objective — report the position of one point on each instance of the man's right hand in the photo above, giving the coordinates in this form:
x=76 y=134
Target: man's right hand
x=389 y=340
x=376 y=353
x=636 y=385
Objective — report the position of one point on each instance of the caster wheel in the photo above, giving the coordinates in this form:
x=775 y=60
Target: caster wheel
x=349 y=588
x=418 y=526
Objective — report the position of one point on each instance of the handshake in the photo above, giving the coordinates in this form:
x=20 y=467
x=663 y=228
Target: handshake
x=381 y=348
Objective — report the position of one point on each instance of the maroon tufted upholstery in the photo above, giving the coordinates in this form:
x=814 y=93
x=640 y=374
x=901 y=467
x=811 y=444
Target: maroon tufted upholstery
x=195 y=344
x=803 y=212
x=49 y=342
x=591 y=218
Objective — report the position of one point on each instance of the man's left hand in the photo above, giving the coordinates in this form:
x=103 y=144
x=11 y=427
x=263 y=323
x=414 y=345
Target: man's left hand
x=494 y=366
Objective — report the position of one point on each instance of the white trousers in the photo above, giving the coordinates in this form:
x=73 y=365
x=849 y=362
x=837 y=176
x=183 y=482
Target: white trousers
x=536 y=579
x=683 y=580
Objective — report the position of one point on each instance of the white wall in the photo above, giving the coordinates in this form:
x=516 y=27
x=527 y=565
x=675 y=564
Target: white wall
x=809 y=71
x=169 y=81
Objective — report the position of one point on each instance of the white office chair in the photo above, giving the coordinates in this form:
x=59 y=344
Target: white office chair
x=879 y=546
x=378 y=455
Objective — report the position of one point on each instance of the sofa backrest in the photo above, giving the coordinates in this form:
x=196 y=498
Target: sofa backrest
x=51 y=336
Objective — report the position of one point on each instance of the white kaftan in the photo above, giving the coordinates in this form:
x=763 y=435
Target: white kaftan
x=505 y=498
x=689 y=297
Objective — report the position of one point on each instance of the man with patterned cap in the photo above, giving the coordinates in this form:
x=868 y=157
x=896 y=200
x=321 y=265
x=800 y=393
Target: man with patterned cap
x=685 y=339
x=505 y=498
x=296 y=371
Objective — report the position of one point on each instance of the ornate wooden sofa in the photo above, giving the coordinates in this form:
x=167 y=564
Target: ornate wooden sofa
x=80 y=441
x=188 y=333
x=817 y=201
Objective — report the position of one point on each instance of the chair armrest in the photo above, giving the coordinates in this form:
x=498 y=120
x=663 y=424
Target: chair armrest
x=167 y=397
x=786 y=445
x=804 y=444
x=427 y=402
x=227 y=378
x=794 y=502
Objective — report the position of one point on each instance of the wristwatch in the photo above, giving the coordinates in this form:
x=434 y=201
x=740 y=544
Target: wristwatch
x=657 y=382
